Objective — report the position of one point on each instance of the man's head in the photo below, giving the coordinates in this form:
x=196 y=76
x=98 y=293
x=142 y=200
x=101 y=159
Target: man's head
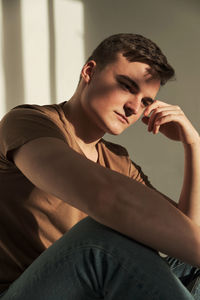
x=134 y=47
x=119 y=80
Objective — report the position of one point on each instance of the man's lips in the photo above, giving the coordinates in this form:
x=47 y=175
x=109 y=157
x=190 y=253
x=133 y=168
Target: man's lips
x=123 y=117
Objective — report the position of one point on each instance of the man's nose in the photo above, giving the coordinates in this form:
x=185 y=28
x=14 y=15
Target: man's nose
x=132 y=106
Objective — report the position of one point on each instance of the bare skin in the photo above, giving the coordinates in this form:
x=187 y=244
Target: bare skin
x=111 y=100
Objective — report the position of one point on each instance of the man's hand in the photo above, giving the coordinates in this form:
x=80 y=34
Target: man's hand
x=171 y=121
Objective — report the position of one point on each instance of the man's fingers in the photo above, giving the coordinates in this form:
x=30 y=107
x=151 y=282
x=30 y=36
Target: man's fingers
x=154 y=105
x=159 y=113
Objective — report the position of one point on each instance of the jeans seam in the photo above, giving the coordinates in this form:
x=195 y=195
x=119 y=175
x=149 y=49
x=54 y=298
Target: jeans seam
x=96 y=247
x=194 y=286
x=180 y=264
x=116 y=260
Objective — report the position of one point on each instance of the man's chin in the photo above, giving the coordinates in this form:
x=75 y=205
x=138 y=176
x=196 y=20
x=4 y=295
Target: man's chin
x=115 y=131
x=113 y=128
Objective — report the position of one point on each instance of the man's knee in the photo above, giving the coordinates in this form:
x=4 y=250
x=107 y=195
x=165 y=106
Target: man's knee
x=90 y=233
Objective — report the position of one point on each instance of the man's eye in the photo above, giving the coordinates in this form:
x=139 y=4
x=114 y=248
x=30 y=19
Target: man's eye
x=147 y=101
x=125 y=86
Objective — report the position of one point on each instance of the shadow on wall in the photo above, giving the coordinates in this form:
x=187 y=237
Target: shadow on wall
x=157 y=20
x=52 y=58
x=13 y=53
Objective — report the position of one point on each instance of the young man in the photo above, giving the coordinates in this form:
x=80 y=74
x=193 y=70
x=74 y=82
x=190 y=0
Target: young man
x=56 y=170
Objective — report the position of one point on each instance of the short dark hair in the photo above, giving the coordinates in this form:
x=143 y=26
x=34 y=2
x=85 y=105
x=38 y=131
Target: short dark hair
x=134 y=47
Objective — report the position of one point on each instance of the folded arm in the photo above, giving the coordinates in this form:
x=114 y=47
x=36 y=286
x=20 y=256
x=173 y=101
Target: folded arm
x=171 y=121
x=109 y=197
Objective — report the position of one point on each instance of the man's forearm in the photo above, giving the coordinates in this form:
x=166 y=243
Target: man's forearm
x=110 y=198
x=189 y=201
x=145 y=216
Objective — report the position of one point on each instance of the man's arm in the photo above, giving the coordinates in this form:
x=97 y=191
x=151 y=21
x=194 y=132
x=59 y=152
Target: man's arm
x=110 y=198
x=172 y=122
x=189 y=201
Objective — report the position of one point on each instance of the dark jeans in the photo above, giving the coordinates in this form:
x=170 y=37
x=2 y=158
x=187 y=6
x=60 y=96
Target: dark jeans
x=93 y=261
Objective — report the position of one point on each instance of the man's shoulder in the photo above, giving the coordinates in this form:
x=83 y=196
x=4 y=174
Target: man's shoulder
x=27 y=112
x=36 y=107
x=27 y=122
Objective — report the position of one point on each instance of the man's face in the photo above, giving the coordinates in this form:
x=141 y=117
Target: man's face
x=117 y=96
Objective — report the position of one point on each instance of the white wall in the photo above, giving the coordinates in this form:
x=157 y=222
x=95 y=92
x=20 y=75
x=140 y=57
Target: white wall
x=69 y=32
x=41 y=50
x=35 y=47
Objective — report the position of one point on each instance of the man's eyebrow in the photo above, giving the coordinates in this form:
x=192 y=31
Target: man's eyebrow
x=134 y=84
x=130 y=80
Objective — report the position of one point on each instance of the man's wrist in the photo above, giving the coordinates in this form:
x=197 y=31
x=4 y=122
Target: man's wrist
x=194 y=144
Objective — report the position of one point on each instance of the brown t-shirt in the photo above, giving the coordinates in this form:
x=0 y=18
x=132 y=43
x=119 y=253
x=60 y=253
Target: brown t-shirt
x=31 y=219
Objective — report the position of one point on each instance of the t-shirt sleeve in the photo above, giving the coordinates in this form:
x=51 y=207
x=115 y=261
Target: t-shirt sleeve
x=118 y=159
x=22 y=125
x=136 y=173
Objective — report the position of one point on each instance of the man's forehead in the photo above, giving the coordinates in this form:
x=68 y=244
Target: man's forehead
x=135 y=67
x=136 y=71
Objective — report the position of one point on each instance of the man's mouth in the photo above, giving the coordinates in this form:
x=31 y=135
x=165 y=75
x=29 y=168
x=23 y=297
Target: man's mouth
x=123 y=118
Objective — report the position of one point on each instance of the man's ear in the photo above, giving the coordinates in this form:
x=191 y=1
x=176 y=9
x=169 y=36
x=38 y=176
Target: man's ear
x=88 y=70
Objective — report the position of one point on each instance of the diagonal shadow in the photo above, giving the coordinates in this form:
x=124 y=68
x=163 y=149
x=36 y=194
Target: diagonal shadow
x=52 y=51
x=12 y=53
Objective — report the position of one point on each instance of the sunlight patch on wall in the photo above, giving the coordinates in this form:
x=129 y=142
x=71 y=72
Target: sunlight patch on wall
x=35 y=51
x=69 y=36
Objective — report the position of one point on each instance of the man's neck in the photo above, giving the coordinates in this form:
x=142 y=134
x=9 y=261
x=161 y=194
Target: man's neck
x=85 y=131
